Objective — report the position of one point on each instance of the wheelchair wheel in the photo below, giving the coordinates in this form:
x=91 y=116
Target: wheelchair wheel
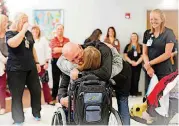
x=59 y=118
x=114 y=118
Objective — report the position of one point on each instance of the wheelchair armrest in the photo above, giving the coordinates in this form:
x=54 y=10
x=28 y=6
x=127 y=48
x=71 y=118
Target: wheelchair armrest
x=112 y=82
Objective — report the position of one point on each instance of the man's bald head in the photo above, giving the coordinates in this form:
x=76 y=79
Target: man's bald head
x=72 y=51
x=69 y=47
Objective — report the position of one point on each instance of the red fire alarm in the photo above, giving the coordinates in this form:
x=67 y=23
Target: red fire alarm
x=127 y=15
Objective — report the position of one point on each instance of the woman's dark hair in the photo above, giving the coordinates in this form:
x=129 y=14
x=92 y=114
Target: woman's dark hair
x=113 y=30
x=94 y=36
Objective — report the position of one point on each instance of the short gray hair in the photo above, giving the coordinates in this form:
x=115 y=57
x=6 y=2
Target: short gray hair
x=59 y=25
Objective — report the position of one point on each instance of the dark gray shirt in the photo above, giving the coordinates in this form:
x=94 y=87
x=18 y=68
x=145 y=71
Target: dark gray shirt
x=3 y=47
x=20 y=58
x=157 y=48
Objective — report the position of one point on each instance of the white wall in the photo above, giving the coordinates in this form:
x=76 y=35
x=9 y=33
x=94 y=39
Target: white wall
x=81 y=17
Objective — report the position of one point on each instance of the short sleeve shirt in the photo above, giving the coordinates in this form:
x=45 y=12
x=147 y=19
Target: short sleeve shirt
x=132 y=53
x=20 y=58
x=56 y=43
x=157 y=48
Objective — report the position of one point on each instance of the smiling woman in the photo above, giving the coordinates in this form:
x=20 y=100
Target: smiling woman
x=158 y=43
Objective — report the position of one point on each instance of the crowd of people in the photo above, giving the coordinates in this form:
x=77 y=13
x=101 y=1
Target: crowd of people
x=25 y=56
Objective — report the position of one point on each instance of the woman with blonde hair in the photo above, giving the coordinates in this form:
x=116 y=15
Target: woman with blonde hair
x=91 y=59
x=133 y=55
x=42 y=48
x=158 y=43
x=3 y=60
x=22 y=67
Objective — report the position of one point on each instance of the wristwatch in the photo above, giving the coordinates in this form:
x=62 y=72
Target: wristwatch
x=79 y=75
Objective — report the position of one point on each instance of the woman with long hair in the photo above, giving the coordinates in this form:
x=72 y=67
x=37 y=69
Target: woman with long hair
x=133 y=55
x=44 y=55
x=95 y=36
x=112 y=39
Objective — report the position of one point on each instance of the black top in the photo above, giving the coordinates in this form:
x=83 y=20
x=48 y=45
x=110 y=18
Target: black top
x=175 y=58
x=104 y=72
x=157 y=48
x=20 y=58
x=133 y=54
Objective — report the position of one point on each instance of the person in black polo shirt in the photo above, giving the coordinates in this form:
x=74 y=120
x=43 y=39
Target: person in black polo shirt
x=158 y=43
x=22 y=66
x=133 y=55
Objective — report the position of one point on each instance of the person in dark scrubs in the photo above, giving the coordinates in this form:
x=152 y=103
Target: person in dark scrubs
x=133 y=55
x=174 y=57
x=158 y=43
x=22 y=67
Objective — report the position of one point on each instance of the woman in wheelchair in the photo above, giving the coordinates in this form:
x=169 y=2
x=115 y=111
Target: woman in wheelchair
x=91 y=61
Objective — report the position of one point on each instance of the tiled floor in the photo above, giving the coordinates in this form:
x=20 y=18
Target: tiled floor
x=47 y=113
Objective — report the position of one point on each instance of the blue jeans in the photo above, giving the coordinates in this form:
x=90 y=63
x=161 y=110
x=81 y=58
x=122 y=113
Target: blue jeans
x=123 y=108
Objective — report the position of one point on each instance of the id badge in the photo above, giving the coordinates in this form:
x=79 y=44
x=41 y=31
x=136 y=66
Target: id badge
x=27 y=43
x=135 y=53
x=116 y=43
x=149 y=42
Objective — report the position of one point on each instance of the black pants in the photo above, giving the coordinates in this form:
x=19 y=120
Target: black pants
x=56 y=73
x=16 y=82
x=135 y=80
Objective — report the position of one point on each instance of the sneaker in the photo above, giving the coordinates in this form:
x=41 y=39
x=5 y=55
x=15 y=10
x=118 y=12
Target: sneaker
x=18 y=124
x=54 y=101
x=37 y=118
x=2 y=111
x=51 y=103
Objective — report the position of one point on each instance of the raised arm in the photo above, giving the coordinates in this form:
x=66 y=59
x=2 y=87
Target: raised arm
x=17 y=39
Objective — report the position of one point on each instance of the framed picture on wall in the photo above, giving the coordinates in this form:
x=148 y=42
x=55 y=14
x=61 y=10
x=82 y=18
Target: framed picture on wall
x=47 y=20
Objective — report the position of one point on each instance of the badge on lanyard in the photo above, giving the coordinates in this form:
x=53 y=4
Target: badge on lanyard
x=27 y=43
x=116 y=42
x=135 y=53
x=149 y=42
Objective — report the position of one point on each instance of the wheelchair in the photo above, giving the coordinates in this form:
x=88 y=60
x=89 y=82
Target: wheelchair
x=65 y=116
